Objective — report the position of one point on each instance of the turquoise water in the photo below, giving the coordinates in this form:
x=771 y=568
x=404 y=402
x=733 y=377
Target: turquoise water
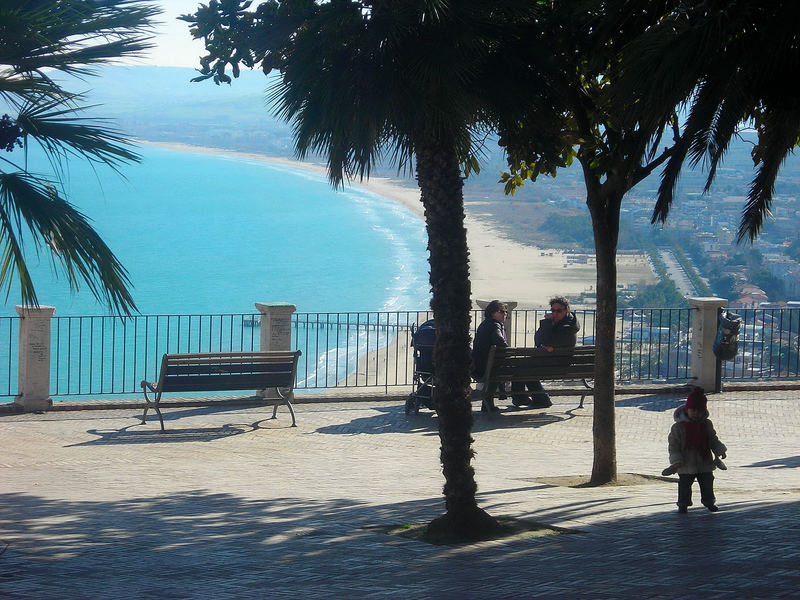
x=215 y=233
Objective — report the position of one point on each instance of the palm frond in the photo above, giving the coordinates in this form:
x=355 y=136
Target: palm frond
x=69 y=35
x=779 y=134
x=55 y=124
x=716 y=112
x=73 y=244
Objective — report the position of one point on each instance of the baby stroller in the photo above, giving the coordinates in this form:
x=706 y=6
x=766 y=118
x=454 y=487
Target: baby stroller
x=422 y=340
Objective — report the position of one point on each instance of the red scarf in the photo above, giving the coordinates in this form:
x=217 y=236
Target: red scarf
x=697 y=437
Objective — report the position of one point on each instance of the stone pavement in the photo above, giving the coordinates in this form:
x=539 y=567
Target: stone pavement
x=231 y=504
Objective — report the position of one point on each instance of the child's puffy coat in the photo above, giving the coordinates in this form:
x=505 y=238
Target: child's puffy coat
x=692 y=461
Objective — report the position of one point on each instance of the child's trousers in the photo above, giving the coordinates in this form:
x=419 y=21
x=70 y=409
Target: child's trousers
x=706 y=482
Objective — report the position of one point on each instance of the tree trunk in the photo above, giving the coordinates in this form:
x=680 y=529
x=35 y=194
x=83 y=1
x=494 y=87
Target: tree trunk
x=441 y=184
x=604 y=207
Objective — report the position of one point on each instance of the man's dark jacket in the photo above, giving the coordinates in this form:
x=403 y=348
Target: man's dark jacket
x=563 y=334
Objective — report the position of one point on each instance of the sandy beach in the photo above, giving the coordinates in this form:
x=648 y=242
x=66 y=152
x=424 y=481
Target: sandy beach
x=499 y=267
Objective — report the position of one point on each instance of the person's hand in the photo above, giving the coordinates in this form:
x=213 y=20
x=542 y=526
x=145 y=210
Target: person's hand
x=671 y=470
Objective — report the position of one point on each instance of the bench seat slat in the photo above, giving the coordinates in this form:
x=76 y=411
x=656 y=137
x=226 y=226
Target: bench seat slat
x=199 y=383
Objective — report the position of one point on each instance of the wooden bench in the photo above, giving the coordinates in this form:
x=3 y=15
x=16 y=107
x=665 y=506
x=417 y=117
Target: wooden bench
x=220 y=371
x=509 y=365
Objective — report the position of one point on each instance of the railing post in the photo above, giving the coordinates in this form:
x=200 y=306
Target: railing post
x=33 y=376
x=276 y=331
x=508 y=325
x=276 y=325
x=704 y=329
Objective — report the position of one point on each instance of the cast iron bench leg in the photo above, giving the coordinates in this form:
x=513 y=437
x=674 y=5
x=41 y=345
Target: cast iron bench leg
x=153 y=403
x=591 y=387
x=288 y=405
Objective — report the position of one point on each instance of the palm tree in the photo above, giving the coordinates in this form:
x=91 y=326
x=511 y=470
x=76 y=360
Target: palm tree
x=38 y=39
x=734 y=65
x=364 y=80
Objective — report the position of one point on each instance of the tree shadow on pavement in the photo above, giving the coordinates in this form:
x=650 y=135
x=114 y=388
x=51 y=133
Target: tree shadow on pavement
x=788 y=462
x=197 y=543
x=145 y=434
x=514 y=418
x=654 y=402
x=392 y=419
x=388 y=419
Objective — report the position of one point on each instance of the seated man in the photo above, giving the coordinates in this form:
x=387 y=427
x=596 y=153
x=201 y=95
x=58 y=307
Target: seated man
x=559 y=329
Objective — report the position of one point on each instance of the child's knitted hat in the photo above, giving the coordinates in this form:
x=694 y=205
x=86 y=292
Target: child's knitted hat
x=697 y=399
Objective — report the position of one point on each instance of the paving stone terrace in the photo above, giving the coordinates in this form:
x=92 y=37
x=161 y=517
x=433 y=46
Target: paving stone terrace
x=231 y=504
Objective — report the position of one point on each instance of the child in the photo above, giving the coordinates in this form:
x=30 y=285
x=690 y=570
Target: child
x=692 y=440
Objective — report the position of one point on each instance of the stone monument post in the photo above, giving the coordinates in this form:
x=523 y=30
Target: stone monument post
x=33 y=375
x=276 y=325
x=704 y=330
x=276 y=331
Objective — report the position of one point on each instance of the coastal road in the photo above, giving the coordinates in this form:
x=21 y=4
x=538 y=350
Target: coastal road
x=676 y=273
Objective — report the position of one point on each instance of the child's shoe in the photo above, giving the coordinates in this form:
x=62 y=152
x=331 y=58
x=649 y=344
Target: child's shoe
x=713 y=508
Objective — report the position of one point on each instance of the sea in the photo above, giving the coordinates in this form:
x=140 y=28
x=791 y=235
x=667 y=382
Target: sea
x=208 y=232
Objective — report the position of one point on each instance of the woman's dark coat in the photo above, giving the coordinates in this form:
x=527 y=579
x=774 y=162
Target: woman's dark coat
x=490 y=333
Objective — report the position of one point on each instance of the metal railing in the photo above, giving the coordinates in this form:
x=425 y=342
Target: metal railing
x=769 y=345
x=101 y=356
x=9 y=334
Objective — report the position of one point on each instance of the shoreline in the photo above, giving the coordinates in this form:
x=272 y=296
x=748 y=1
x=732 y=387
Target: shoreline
x=499 y=267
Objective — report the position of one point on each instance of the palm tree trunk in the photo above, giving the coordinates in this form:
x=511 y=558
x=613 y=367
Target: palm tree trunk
x=441 y=184
x=604 y=207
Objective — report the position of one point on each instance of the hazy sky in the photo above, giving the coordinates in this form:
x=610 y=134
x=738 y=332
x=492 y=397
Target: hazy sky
x=174 y=44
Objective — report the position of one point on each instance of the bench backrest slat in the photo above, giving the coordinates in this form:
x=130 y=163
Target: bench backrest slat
x=228 y=371
x=526 y=364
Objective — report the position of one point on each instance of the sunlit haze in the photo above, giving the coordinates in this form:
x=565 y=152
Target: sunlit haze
x=174 y=44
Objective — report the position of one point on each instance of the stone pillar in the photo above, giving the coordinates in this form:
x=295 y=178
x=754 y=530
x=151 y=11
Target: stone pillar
x=276 y=332
x=508 y=325
x=33 y=376
x=276 y=325
x=704 y=330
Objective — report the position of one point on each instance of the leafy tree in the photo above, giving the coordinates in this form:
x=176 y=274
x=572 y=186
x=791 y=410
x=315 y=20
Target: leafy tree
x=596 y=127
x=570 y=228
x=38 y=38
x=723 y=285
x=793 y=250
x=363 y=80
x=772 y=286
x=627 y=65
